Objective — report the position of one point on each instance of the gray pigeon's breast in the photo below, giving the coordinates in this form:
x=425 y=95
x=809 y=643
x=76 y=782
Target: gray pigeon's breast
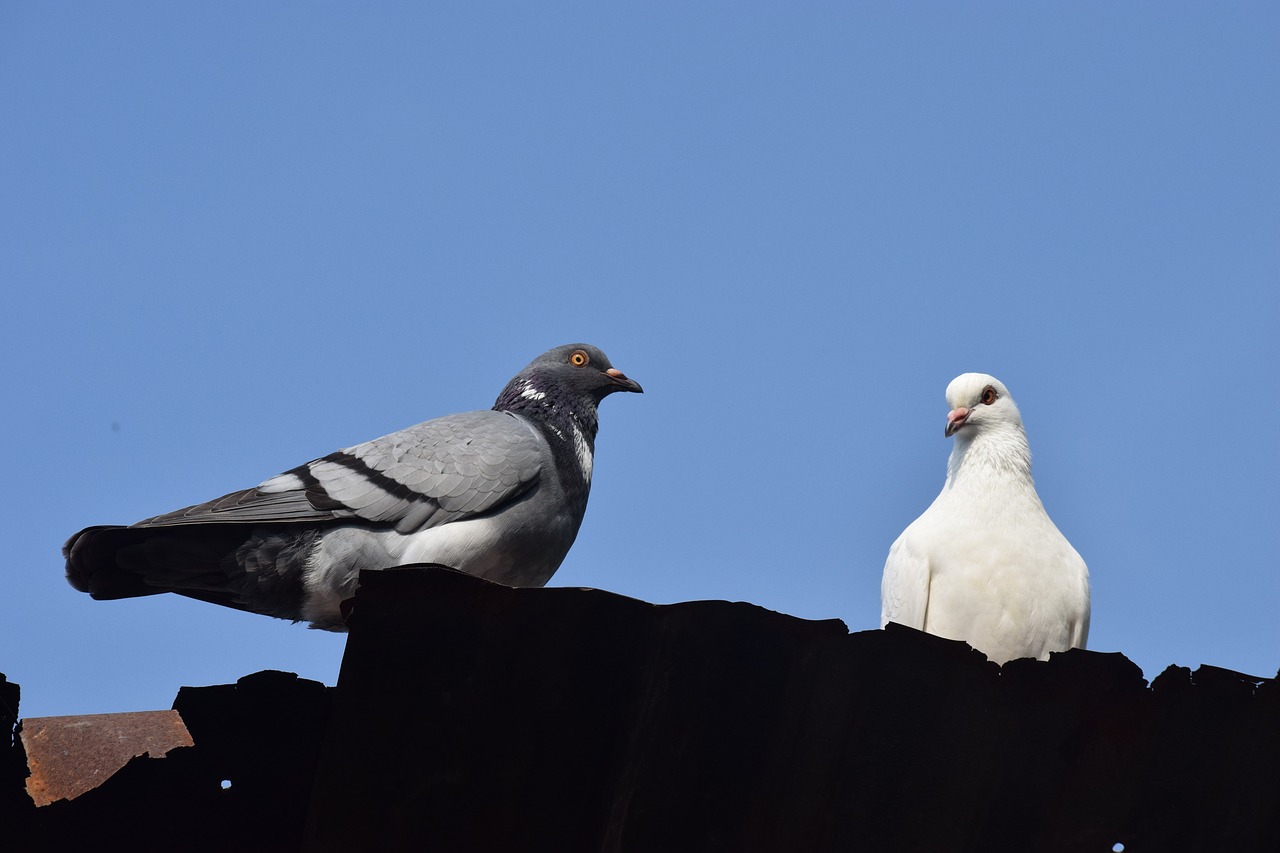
x=521 y=545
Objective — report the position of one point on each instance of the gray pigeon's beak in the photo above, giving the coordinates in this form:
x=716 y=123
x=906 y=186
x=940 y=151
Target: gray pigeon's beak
x=620 y=379
x=956 y=418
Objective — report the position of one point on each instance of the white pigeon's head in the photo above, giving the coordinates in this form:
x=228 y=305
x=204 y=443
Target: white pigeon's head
x=979 y=403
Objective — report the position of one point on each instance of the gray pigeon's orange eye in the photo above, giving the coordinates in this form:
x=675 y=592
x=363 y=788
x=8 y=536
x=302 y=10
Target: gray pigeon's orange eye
x=578 y=358
x=989 y=396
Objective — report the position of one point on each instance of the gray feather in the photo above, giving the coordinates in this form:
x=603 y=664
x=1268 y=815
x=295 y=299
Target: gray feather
x=497 y=493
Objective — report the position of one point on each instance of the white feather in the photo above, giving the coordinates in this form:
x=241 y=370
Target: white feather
x=985 y=563
x=586 y=458
x=281 y=483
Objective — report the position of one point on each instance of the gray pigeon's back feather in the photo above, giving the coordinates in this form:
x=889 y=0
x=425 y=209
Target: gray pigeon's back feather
x=498 y=493
x=419 y=477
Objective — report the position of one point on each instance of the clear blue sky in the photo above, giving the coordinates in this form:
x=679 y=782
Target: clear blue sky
x=237 y=236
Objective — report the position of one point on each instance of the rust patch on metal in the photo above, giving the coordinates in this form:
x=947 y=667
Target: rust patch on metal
x=70 y=755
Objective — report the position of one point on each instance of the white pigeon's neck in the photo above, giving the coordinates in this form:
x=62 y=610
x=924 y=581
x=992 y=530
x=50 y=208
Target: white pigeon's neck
x=994 y=455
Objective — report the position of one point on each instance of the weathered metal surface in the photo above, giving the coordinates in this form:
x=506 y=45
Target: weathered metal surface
x=70 y=755
x=472 y=716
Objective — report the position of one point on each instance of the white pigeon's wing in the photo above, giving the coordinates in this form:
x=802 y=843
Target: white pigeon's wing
x=1080 y=628
x=1080 y=633
x=904 y=588
x=441 y=470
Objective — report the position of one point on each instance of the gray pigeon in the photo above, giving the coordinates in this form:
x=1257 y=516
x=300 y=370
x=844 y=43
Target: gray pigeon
x=499 y=494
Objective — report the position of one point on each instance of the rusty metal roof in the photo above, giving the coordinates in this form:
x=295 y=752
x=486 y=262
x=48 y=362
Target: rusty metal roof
x=68 y=756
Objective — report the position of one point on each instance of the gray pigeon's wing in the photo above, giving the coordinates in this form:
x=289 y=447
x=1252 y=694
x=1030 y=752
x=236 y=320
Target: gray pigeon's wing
x=437 y=471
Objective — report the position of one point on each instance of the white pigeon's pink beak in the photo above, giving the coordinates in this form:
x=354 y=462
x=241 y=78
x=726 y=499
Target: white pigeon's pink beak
x=956 y=418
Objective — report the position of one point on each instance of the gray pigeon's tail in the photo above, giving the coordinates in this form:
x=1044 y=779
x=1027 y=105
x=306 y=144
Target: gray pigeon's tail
x=240 y=566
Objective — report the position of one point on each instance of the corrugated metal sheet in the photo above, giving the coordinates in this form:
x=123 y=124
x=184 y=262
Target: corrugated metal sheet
x=70 y=755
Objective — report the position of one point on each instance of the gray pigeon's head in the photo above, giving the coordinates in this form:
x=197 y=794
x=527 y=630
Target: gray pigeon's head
x=573 y=377
x=979 y=403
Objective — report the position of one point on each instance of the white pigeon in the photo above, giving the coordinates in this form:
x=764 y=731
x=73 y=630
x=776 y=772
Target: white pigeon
x=985 y=563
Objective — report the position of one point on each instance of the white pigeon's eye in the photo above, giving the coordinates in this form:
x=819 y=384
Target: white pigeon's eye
x=578 y=358
x=989 y=395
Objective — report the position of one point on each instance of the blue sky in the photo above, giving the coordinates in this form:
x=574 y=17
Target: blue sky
x=241 y=235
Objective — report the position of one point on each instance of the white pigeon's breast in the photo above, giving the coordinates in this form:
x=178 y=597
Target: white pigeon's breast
x=1006 y=582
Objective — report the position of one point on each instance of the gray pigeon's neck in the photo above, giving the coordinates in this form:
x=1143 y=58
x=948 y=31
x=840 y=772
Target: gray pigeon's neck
x=996 y=456
x=565 y=414
x=567 y=422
